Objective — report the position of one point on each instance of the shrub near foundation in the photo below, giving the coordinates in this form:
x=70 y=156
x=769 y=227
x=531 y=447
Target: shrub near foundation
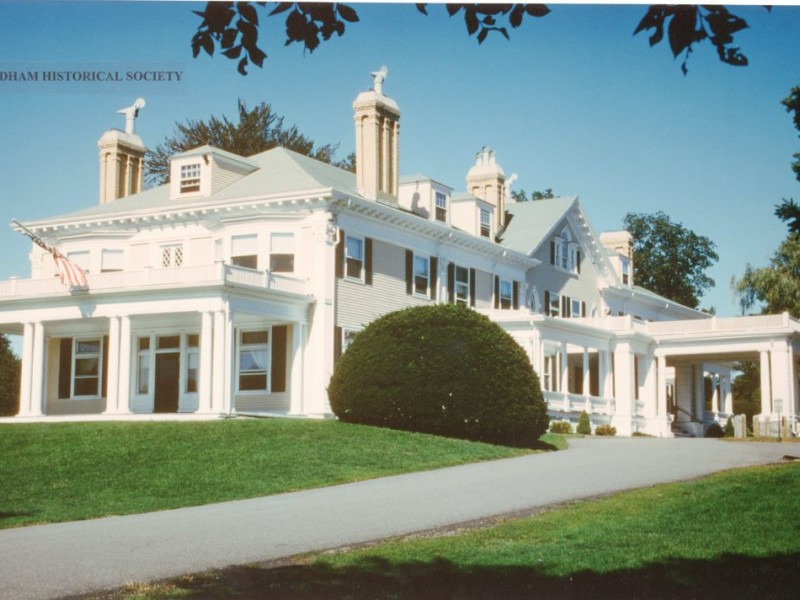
x=445 y=370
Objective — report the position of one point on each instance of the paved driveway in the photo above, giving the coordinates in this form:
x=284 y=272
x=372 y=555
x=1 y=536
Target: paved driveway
x=48 y=561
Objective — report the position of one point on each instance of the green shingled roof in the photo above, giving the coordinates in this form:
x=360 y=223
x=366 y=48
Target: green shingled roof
x=533 y=221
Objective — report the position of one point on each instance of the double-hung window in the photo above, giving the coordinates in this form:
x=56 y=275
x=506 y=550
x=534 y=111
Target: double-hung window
x=553 y=304
x=441 y=207
x=253 y=363
x=576 y=310
x=462 y=285
x=244 y=251
x=86 y=368
x=486 y=223
x=281 y=252
x=506 y=300
x=421 y=275
x=190 y=178
x=354 y=257
x=564 y=253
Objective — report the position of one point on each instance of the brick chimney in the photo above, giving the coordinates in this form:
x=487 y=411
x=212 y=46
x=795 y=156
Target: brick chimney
x=377 y=120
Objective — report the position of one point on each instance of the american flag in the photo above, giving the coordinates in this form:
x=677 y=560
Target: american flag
x=71 y=274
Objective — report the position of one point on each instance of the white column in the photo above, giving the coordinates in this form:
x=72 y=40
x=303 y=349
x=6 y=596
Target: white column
x=715 y=384
x=125 y=367
x=699 y=408
x=206 y=363
x=296 y=402
x=650 y=386
x=727 y=395
x=564 y=375
x=229 y=370
x=218 y=380
x=766 y=389
x=782 y=386
x=112 y=385
x=586 y=385
x=624 y=375
x=37 y=371
x=661 y=393
x=27 y=366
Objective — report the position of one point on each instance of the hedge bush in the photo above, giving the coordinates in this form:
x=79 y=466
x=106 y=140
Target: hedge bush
x=605 y=430
x=560 y=427
x=441 y=369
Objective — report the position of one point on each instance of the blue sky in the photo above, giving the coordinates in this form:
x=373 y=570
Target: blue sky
x=574 y=102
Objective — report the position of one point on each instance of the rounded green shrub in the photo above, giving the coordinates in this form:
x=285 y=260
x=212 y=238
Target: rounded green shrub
x=729 y=430
x=560 y=427
x=605 y=430
x=584 y=426
x=445 y=370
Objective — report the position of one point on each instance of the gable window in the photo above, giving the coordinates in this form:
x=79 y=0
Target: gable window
x=486 y=223
x=86 y=368
x=281 y=252
x=244 y=251
x=172 y=256
x=190 y=178
x=564 y=253
x=253 y=360
x=441 y=207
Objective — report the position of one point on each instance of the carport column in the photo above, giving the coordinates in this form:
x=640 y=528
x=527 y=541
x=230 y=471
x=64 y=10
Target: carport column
x=218 y=381
x=296 y=400
x=112 y=394
x=766 y=389
x=564 y=374
x=650 y=386
x=586 y=387
x=624 y=374
x=206 y=362
x=727 y=394
x=661 y=409
x=782 y=388
x=715 y=384
x=230 y=382
x=699 y=394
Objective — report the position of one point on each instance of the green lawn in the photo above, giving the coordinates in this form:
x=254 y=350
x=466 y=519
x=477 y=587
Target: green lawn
x=731 y=535
x=69 y=471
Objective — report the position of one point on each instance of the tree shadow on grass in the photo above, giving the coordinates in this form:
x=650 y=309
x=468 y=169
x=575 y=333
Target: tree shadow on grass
x=731 y=576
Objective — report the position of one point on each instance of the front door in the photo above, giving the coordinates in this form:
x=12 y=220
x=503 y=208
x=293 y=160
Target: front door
x=167 y=376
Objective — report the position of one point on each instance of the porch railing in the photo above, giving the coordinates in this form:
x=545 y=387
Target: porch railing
x=561 y=402
x=217 y=273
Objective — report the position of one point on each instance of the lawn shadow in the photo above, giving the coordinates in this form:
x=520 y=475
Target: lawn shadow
x=731 y=576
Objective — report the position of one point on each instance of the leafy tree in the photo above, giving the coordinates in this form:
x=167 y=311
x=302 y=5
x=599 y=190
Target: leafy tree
x=257 y=129
x=788 y=211
x=670 y=259
x=234 y=27
x=522 y=196
x=9 y=379
x=746 y=388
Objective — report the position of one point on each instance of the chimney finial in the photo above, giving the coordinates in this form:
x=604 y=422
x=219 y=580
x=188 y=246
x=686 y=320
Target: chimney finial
x=131 y=112
x=378 y=78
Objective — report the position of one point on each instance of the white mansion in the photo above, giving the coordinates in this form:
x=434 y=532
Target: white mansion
x=234 y=288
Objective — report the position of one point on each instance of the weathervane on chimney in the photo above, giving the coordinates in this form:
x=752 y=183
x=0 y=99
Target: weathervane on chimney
x=379 y=77
x=131 y=113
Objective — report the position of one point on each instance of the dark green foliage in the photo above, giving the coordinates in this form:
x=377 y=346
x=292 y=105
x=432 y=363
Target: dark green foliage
x=605 y=430
x=584 y=426
x=9 y=379
x=444 y=370
x=729 y=431
x=522 y=196
x=669 y=259
x=562 y=427
x=715 y=431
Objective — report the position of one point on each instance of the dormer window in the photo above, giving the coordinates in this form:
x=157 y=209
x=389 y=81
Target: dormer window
x=190 y=178
x=441 y=207
x=625 y=268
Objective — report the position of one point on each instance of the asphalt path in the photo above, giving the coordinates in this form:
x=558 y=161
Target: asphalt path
x=50 y=561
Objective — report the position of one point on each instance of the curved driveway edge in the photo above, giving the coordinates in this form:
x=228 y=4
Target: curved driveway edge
x=48 y=561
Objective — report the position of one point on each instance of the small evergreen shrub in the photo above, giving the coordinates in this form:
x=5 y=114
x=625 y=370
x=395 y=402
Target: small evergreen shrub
x=584 y=426
x=442 y=369
x=605 y=430
x=715 y=431
x=560 y=427
x=729 y=431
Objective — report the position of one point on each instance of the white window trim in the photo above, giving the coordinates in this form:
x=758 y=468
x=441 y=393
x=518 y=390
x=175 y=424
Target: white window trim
x=481 y=224
x=573 y=314
x=363 y=260
x=238 y=350
x=437 y=206
x=566 y=252
x=427 y=292
x=557 y=297
x=345 y=331
x=195 y=169
x=172 y=247
x=456 y=283
x=73 y=373
x=509 y=297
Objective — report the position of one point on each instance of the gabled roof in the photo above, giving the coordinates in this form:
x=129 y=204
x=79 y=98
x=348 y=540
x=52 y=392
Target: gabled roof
x=278 y=171
x=533 y=222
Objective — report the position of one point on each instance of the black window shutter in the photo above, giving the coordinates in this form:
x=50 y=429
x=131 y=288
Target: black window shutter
x=337 y=344
x=64 y=368
x=409 y=272
x=578 y=262
x=515 y=296
x=451 y=283
x=340 y=255
x=496 y=291
x=279 y=358
x=472 y=287
x=368 y=261
x=547 y=303
x=434 y=277
x=104 y=390
x=552 y=252
x=583 y=308
x=565 y=306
